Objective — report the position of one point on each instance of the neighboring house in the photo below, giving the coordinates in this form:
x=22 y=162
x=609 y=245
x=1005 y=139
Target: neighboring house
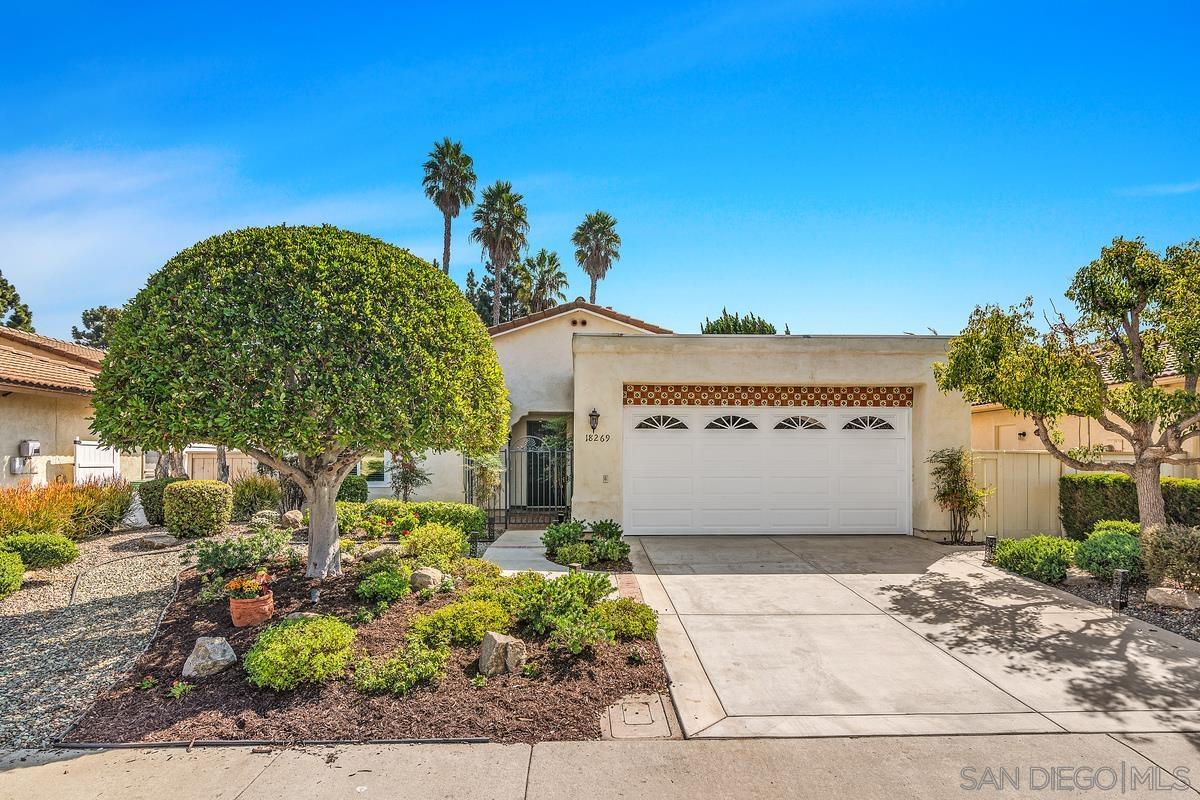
x=994 y=427
x=680 y=434
x=45 y=397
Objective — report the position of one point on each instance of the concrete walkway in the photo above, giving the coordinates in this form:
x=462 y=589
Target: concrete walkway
x=518 y=551
x=888 y=635
x=862 y=769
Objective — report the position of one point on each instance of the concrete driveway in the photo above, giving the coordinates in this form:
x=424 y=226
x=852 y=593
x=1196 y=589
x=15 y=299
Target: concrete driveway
x=886 y=635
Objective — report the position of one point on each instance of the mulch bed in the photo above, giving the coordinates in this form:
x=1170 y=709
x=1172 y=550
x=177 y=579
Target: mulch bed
x=623 y=565
x=564 y=702
x=1177 y=620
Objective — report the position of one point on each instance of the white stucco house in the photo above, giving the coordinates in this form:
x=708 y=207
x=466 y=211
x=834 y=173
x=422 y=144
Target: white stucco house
x=702 y=434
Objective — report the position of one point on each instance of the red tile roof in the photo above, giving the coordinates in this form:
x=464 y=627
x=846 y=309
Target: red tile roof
x=70 y=350
x=49 y=372
x=577 y=304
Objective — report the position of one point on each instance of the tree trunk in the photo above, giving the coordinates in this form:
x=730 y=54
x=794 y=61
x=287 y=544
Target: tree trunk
x=324 y=553
x=222 y=465
x=497 y=279
x=593 y=294
x=1151 y=508
x=446 y=243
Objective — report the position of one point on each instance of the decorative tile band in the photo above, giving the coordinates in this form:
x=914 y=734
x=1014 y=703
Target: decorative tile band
x=673 y=394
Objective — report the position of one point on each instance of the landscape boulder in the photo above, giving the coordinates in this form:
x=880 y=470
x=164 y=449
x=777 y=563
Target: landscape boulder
x=500 y=653
x=157 y=541
x=293 y=520
x=376 y=552
x=1173 y=598
x=426 y=578
x=211 y=655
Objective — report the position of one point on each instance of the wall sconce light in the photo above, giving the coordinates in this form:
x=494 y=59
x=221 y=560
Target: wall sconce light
x=1022 y=435
x=594 y=418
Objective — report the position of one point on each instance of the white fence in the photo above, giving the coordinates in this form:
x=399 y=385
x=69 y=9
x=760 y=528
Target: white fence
x=93 y=462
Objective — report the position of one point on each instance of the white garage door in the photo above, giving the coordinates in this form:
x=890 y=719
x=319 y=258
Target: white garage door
x=724 y=469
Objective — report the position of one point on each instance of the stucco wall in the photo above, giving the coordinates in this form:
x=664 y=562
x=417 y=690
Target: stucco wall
x=603 y=364
x=55 y=421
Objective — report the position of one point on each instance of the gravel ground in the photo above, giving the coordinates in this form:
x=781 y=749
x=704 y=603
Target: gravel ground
x=1185 y=623
x=55 y=657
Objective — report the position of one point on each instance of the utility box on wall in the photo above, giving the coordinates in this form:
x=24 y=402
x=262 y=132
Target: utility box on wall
x=20 y=465
x=29 y=447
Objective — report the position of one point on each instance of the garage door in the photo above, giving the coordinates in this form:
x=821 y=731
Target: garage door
x=731 y=470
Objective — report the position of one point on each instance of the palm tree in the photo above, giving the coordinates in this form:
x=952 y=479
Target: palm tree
x=544 y=281
x=597 y=246
x=501 y=225
x=450 y=183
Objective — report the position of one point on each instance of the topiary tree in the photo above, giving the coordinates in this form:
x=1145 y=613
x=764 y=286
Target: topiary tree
x=1138 y=312
x=306 y=347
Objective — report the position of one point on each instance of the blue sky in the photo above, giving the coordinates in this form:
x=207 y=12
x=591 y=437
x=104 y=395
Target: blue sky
x=841 y=167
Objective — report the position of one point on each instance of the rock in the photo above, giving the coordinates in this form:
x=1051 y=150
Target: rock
x=500 y=653
x=347 y=558
x=1173 y=598
x=302 y=615
x=211 y=655
x=426 y=578
x=375 y=552
x=293 y=520
x=157 y=541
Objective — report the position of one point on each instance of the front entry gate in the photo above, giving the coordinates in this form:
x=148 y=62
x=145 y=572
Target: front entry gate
x=534 y=488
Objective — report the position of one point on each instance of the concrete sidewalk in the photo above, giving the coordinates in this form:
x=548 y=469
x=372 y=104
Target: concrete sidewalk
x=859 y=768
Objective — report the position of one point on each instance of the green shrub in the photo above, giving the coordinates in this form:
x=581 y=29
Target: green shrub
x=435 y=545
x=578 y=633
x=41 y=550
x=388 y=585
x=476 y=570
x=607 y=529
x=575 y=553
x=245 y=553
x=512 y=592
x=395 y=515
x=1108 y=549
x=298 y=651
x=254 y=493
x=265 y=519
x=1043 y=558
x=610 y=549
x=197 y=508
x=463 y=623
x=1116 y=526
x=12 y=572
x=354 y=489
x=627 y=619
x=544 y=605
x=151 y=495
x=562 y=533
x=401 y=672
x=467 y=518
x=1088 y=497
x=1171 y=556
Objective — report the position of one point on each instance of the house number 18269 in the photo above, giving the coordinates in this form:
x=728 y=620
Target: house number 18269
x=597 y=437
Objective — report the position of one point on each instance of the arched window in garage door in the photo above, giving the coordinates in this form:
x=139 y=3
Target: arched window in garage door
x=868 y=423
x=730 y=422
x=660 y=422
x=800 y=424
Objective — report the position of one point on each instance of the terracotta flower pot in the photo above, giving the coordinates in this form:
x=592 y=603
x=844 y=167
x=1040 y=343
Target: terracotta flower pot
x=253 y=611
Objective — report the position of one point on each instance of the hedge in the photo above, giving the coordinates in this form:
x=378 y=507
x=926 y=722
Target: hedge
x=12 y=572
x=354 y=489
x=41 y=550
x=197 y=508
x=151 y=495
x=467 y=518
x=1086 y=498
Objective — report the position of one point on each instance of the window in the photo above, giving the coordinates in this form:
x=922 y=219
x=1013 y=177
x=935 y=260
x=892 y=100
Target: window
x=660 y=422
x=730 y=423
x=800 y=424
x=868 y=423
x=373 y=468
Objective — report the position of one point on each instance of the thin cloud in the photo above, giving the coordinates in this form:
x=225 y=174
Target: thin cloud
x=1162 y=189
x=81 y=228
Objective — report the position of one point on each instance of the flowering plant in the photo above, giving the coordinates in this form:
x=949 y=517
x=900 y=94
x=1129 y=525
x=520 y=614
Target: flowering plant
x=247 y=587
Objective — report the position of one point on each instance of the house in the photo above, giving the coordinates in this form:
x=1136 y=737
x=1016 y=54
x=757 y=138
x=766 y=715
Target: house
x=45 y=412
x=679 y=433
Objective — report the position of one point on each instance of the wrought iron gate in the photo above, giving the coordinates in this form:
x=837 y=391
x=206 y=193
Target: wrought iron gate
x=534 y=488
